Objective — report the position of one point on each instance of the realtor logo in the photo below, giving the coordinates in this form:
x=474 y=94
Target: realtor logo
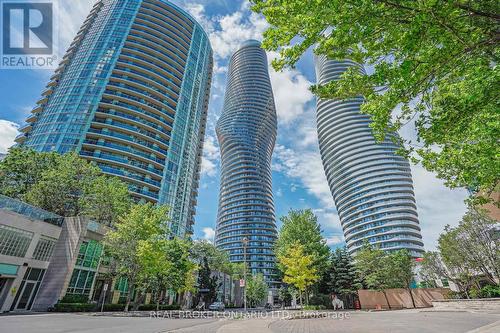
x=29 y=34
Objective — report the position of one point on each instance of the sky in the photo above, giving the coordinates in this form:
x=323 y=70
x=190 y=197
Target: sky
x=299 y=181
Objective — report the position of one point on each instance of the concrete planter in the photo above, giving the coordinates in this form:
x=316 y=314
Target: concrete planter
x=480 y=304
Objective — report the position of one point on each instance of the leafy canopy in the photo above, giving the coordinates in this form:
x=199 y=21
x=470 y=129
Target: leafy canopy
x=432 y=62
x=63 y=184
x=298 y=267
x=302 y=227
x=256 y=289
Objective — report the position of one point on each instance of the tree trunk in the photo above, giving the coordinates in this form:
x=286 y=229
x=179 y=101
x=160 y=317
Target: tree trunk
x=127 y=303
x=387 y=299
x=300 y=298
x=412 y=299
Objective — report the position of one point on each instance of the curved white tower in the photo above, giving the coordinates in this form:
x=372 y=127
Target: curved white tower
x=371 y=185
x=247 y=134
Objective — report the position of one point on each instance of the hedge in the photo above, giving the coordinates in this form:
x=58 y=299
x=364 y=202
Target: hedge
x=74 y=307
x=152 y=307
x=114 y=307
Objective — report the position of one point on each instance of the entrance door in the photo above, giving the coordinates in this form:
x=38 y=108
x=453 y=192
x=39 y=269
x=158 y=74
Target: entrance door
x=28 y=289
x=26 y=295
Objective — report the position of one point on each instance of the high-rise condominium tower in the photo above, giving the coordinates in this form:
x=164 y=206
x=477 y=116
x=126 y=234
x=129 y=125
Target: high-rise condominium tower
x=247 y=134
x=371 y=185
x=131 y=94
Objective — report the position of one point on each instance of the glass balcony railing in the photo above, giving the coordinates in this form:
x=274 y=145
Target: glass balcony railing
x=27 y=210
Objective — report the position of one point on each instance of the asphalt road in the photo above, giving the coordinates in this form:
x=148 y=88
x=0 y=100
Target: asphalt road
x=407 y=321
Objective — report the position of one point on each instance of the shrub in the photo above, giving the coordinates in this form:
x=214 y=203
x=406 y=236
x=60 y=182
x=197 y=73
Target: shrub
x=490 y=291
x=152 y=307
x=74 y=307
x=314 y=307
x=114 y=307
x=321 y=299
x=75 y=298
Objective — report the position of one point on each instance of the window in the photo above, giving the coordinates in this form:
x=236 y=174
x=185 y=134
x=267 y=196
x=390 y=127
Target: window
x=14 y=242
x=44 y=248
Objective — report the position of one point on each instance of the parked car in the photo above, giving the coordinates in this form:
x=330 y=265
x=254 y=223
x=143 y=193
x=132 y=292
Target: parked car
x=216 y=306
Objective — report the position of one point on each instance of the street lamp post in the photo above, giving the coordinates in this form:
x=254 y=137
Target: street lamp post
x=245 y=243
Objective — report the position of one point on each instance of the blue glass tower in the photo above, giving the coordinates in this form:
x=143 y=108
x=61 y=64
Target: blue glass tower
x=371 y=185
x=247 y=134
x=131 y=94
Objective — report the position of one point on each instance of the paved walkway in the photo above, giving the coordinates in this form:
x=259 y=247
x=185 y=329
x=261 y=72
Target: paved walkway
x=407 y=321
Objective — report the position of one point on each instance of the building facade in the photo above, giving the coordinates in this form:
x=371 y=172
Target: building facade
x=247 y=133
x=371 y=185
x=44 y=256
x=131 y=94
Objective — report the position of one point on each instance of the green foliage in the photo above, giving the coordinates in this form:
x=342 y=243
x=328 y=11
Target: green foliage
x=218 y=260
x=488 y=291
x=74 y=307
x=75 y=298
x=302 y=227
x=284 y=294
x=473 y=244
x=22 y=168
x=256 y=290
x=465 y=252
x=380 y=270
x=314 y=307
x=207 y=281
x=343 y=277
x=237 y=270
x=114 y=307
x=373 y=267
x=108 y=198
x=321 y=300
x=64 y=188
x=63 y=184
x=437 y=62
x=142 y=231
x=162 y=307
x=298 y=267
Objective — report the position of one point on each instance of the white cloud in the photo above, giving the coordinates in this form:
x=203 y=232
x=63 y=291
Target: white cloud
x=291 y=92
x=209 y=234
x=305 y=166
x=437 y=205
x=8 y=132
x=210 y=158
x=333 y=240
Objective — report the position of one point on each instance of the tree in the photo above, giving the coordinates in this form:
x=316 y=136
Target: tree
x=473 y=243
x=374 y=269
x=207 y=282
x=434 y=268
x=154 y=266
x=402 y=271
x=464 y=252
x=256 y=290
x=218 y=260
x=164 y=265
x=284 y=295
x=298 y=268
x=144 y=223
x=343 y=277
x=432 y=62
x=64 y=188
x=107 y=199
x=22 y=168
x=302 y=227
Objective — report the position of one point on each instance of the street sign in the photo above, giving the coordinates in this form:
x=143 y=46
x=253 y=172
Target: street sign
x=242 y=282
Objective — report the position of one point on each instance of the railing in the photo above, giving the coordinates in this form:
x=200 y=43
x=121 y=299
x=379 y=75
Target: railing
x=25 y=209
